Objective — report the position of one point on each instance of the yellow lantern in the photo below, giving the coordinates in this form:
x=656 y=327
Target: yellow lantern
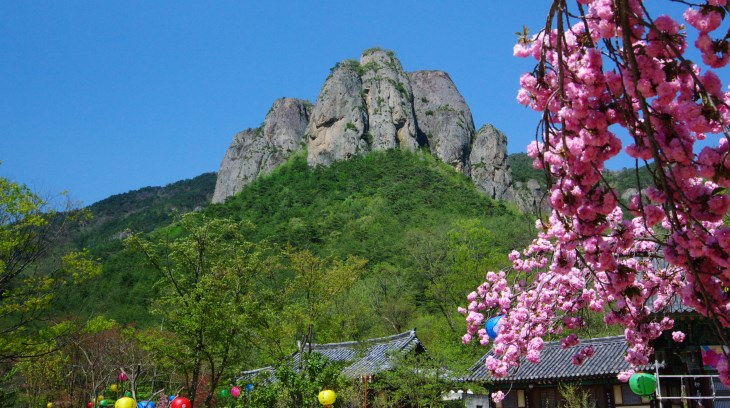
x=49 y=405
x=114 y=388
x=125 y=402
x=99 y=398
x=327 y=397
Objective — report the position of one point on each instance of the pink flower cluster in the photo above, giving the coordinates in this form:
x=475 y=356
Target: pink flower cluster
x=595 y=253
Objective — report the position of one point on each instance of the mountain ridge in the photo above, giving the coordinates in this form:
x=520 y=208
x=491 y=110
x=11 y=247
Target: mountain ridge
x=371 y=105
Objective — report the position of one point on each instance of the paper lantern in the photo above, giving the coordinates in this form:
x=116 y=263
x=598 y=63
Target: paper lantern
x=114 y=388
x=642 y=384
x=125 y=402
x=128 y=393
x=492 y=326
x=90 y=404
x=224 y=393
x=106 y=403
x=49 y=405
x=249 y=387
x=181 y=402
x=236 y=392
x=146 y=404
x=172 y=397
x=122 y=377
x=327 y=397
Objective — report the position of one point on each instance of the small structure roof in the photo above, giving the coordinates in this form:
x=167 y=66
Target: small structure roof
x=555 y=363
x=370 y=356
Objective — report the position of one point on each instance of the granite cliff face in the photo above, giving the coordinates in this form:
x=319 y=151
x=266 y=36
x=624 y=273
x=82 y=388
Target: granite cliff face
x=366 y=105
x=489 y=167
x=255 y=152
x=444 y=118
x=339 y=119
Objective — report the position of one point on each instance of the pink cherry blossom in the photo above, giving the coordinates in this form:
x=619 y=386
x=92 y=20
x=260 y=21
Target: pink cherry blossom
x=628 y=260
x=497 y=397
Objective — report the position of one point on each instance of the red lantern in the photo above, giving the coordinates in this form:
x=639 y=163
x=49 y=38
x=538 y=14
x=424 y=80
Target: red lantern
x=90 y=404
x=181 y=402
x=122 y=377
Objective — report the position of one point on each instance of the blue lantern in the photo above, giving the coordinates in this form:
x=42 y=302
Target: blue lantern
x=491 y=326
x=249 y=387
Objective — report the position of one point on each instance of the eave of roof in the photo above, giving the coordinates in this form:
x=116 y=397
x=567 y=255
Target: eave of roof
x=369 y=356
x=555 y=363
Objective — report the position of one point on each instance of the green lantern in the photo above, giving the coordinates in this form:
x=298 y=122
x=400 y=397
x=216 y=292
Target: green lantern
x=224 y=393
x=642 y=384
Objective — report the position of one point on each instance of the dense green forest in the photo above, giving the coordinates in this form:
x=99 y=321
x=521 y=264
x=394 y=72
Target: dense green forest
x=125 y=288
x=364 y=248
x=424 y=230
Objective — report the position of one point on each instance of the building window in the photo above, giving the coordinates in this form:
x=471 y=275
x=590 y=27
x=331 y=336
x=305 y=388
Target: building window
x=510 y=400
x=629 y=398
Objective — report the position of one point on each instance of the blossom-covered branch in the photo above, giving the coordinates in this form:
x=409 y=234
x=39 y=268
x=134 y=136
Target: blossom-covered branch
x=603 y=65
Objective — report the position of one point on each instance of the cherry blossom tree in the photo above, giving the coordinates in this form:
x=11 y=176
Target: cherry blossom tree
x=603 y=65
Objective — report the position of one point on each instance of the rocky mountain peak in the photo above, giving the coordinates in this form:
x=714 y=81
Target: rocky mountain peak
x=388 y=97
x=339 y=118
x=365 y=105
x=257 y=151
x=444 y=118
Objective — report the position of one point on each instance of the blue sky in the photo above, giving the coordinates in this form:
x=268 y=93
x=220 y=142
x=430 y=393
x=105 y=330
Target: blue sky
x=102 y=97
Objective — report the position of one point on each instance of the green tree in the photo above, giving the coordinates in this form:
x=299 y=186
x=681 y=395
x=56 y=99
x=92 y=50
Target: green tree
x=33 y=266
x=415 y=381
x=209 y=273
x=297 y=385
x=315 y=286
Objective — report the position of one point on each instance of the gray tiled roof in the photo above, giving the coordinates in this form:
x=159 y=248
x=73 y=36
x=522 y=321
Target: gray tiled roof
x=251 y=374
x=367 y=357
x=555 y=363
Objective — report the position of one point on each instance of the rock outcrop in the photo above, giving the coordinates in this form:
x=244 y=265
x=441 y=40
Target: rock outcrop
x=443 y=117
x=255 y=152
x=372 y=105
x=489 y=167
x=529 y=197
x=339 y=119
x=388 y=97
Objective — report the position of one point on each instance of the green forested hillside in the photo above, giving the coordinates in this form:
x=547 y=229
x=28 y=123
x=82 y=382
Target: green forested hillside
x=427 y=236
x=364 y=248
x=424 y=230
x=125 y=289
x=145 y=209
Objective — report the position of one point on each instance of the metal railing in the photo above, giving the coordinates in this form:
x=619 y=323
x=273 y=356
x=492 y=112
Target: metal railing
x=691 y=377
